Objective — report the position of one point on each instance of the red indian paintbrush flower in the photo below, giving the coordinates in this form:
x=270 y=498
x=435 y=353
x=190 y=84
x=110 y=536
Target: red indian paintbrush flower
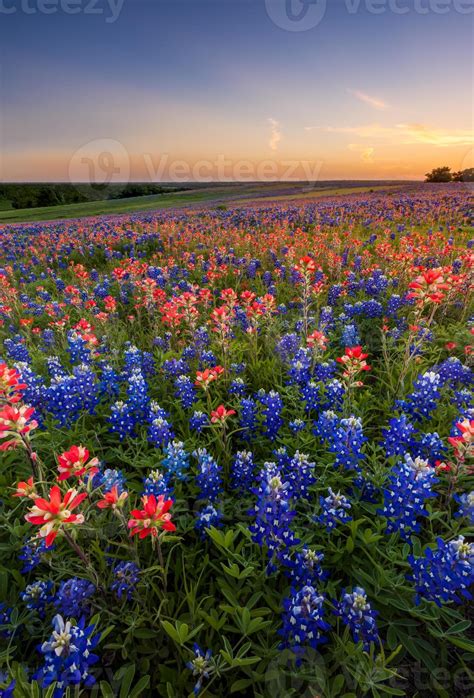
x=76 y=462
x=112 y=499
x=26 y=489
x=206 y=377
x=56 y=513
x=429 y=287
x=10 y=385
x=153 y=518
x=15 y=423
x=463 y=443
x=354 y=361
x=220 y=415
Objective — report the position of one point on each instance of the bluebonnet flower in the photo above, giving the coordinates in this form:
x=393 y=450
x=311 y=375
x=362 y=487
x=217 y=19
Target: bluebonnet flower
x=73 y=597
x=109 y=381
x=55 y=367
x=7 y=691
x=32 y=554
x=176 y=460
x=201 y=667
x=398 y=437
x=335 y=510
x=372 y=309
x=287 y=346
x=248 y=417
x=350 y=336
x=271 y=412
x=345 y=438
x=86 y=387
x=208 y=478
x=198 y=421
x=347 y=443
x=273 y=515
x=411 y=483
x=126 y=577
x=299 y=371
x=175 y=367
x=303 y=619
x=207 y=517
x=137 y=392
x=159 y=428
x=325 y=370
x=444 y=574
x=37 y=596
x=68 y=656
x=311 y=394
x=304 y=567
x=356 y=613
x=110 y=478
x=5 y=619
x=453 y=372
x=16 y=349
x=300 y=474
x=297 y=425
x=122 y=419
x=466 y=506
x=156 y=483
x=333 y=293
x=334 y=392
x=62 y=400
x=185 y=391
x=326 y=319
x=77 y=348
x=430 y=447
x=242 y=470
x=237 y=387
x=34 y=393
x=425 y=397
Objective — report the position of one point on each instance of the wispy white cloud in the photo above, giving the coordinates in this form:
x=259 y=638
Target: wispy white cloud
x=374 y=102
x=405 y=134
x=275 y=133
x=366 y=153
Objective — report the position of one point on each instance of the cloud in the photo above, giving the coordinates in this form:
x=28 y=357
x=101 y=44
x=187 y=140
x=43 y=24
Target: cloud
x=275 y=133
x=366 y=153
x=406 y=134
x=374 y=102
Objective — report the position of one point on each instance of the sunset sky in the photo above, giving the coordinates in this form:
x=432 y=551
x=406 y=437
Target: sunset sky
x=359 y=95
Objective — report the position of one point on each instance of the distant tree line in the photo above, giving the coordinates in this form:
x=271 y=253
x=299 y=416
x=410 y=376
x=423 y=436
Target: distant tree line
x=444 y=174
x=31 y=195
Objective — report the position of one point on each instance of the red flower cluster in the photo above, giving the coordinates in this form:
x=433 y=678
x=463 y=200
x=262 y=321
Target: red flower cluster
x=76 y=462
x=56 y=513
x=354 y=361
x=153 y=518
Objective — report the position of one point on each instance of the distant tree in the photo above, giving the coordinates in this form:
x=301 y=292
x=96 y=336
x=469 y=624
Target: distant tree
x=439 y=174
x=464 y=175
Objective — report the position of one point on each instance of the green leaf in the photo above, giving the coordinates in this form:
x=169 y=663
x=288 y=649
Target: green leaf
x=171 y=631
x=241 y=685
x=140 y=687
x=459 y=627
x=127 y=678
x=106 y=690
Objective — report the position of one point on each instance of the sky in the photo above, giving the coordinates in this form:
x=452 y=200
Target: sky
x=150 y=90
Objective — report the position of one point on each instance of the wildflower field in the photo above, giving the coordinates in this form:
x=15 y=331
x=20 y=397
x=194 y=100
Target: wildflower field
x=236 y=451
